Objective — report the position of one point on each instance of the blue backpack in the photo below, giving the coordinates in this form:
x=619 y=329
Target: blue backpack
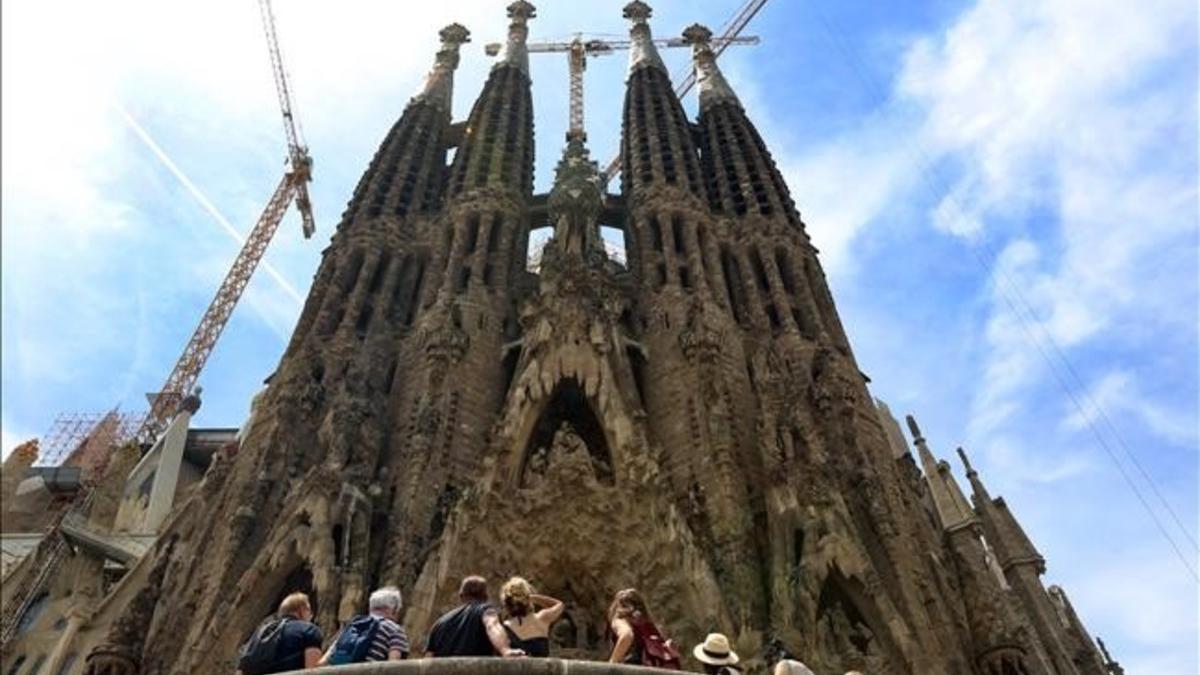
x=355 y=640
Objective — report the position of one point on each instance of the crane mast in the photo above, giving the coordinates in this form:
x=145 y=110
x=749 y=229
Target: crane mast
x=293 y=186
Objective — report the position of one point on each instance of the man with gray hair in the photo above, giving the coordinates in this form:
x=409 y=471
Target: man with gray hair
x=377 y=636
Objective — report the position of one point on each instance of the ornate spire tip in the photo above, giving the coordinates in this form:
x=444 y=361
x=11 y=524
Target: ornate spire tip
x=521 y=10
x=637 y=11
x=697 y=34
x=912 y=427
x=454 y=34
x=962 y=454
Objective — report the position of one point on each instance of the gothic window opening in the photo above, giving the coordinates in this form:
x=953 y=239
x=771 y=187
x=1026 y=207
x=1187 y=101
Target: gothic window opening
x=391 y=377
x=350 y=274
x=567 y=440
x=613 y=237
x=464 y=278
x=660 y=275
x=656 y=235
x=416 y=291
x=493 y=242
x=760 y=271
x=487 y=275
x=773 y=317
x=637 y=365
x=685 y=277
x=299 y=580
x=677 y=233
x=534 y=246
x=339 y=545
x=799 y=445
x=364 y=320
x=381 y=269
x=397 y=304
x=511 y=357
x=734 y=287
x=784 y=263
x=797 y=547
x=472 y=233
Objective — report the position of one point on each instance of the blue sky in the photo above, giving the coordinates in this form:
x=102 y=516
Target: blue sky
x=1004 y=192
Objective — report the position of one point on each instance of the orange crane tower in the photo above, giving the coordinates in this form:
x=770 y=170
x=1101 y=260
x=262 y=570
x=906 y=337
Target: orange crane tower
x=292 y=187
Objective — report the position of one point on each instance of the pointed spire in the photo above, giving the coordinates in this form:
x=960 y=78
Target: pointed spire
x=1013 y=546
x=712 y=85
x=516 y=52
x=439 y=85
x=642 y=51
x=952 y=506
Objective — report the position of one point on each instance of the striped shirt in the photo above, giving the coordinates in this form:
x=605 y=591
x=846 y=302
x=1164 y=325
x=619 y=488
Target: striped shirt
x=390 y=636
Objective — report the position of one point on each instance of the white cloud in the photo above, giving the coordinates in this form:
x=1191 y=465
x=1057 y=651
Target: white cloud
x=1117 y=393
x=1046 y=109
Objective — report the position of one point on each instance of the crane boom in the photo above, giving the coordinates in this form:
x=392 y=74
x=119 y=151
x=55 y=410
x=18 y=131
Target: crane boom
x=187 y=369
x=577 y=52
x=293 y=186
x=729 y=35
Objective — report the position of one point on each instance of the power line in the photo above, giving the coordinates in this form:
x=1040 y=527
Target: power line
x=1028 y=318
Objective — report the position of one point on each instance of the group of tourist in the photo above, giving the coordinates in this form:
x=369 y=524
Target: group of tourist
x=520 y=627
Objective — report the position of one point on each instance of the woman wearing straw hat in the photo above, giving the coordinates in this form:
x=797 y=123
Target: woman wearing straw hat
x=716 y=655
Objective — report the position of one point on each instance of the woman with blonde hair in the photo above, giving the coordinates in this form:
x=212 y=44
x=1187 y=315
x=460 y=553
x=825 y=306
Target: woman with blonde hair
x=636 y=639
x=528 y=616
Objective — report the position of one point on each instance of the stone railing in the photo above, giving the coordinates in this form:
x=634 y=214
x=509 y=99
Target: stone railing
x=486 y=666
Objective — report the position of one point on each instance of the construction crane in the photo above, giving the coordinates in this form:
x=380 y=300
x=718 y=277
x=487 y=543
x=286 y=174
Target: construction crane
x=292 y=187
x=578 y=50
x=728 y=35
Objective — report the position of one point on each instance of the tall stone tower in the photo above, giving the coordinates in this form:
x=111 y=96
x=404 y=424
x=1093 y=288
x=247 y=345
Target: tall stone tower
x=692 y=423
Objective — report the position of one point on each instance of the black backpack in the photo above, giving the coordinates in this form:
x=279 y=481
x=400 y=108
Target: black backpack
x=260 y=653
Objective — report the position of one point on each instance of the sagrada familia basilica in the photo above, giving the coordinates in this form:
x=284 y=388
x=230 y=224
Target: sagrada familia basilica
x=689 y=421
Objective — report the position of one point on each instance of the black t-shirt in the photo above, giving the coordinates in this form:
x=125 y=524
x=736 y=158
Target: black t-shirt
x=296 y=637
x=460 y=632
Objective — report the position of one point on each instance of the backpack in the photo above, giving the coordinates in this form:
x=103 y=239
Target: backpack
x=657 y=651
x=260 y=653
x=355 y=640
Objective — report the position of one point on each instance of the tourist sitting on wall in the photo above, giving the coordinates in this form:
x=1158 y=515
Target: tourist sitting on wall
x=716 y=655
x=375 y=636
x=527 y=626
x=287 y=641
x=471 y=629
x=636 y=640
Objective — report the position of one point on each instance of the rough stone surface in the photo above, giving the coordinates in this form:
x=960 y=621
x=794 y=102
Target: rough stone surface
x=692 y=423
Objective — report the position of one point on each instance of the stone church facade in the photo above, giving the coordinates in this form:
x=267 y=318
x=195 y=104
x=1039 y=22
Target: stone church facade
x=691 y=422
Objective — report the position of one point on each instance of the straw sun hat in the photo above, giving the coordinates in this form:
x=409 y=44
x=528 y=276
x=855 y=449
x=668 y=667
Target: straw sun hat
x=715 y=651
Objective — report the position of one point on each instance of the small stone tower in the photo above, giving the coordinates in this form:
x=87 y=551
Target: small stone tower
x=691 y=423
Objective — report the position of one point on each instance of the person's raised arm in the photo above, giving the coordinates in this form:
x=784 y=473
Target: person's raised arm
x=497 y=636
x=551 y=608
x=624 y=633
